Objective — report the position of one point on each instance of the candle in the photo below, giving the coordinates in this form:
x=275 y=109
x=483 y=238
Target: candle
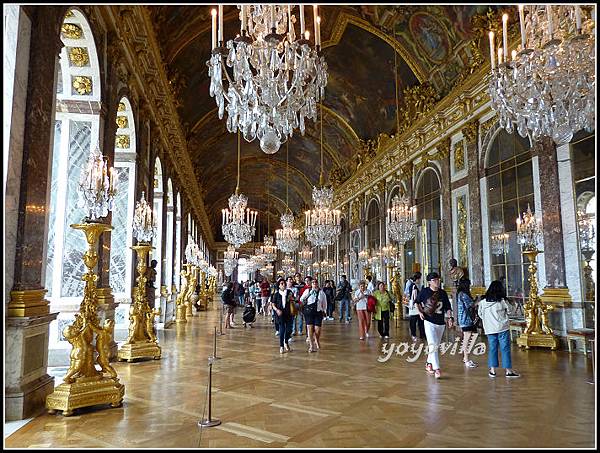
x=307 y=35
x=223 y=216
x=272 y=16
x=220 y=24
x=513 y=55
x=578 y=17
x=290 y=25
x=505 y=35
x=315 y=22
x=318 y=32
x=549 y=11
x=522 y=23
x=301 y=20
x=492 y=53
x=214 y=27
x=500 y=56
x=243 y=24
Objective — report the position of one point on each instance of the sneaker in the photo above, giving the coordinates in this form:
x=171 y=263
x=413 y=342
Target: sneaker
x=367 y=334
x=287 y=347
x=361 y=338
x=438 y=374
x=512 y=374
x=470 y=364
x=290 y=340
x=347 y=322
x=414 y=339
x=386 y=337
x=429 y=368
x=276 y=334
x=491 y=374
x=281 y=350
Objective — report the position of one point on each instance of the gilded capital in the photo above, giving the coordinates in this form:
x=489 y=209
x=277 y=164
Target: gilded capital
x=443 y=148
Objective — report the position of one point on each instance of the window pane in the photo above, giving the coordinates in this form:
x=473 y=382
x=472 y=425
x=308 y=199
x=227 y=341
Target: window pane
x=494 y=190
x=52 y=217
x=525 y=179
x=510 y=215
x=509 y=184
x=118 y=236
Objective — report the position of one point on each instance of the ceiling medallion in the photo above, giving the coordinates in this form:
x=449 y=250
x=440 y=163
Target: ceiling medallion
x=275 y=80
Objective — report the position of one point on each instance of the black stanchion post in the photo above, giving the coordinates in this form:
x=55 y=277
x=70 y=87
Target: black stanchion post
x=209 y=421
x=215 y=345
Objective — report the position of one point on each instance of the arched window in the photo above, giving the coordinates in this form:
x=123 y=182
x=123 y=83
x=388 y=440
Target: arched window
x=169 y=249
x=121 y=237
x=373 y=226
x=157 y=211
x=178 y=243
x=509 y=175
x=76 y=131
x=428 y=202
x=343 y=260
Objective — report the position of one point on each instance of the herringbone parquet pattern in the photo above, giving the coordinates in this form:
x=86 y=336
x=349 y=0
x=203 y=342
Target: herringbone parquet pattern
x=339 y=397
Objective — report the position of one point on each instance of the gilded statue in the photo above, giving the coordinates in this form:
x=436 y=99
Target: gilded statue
x=104 y=337
x=82 y=355
x=397 y=287
x=530 y=313
x=544 y=309
x=150 y=315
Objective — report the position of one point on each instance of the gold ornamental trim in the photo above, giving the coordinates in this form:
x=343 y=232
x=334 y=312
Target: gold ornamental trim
x=122 y=141
x=83 y=393
x=560 y=297
x=528 y=340
x=121 y=107
x=134 y=351
x=122 y=122
x=28 y=303
x=82 y=85
x=71 y=31
x=78 y=56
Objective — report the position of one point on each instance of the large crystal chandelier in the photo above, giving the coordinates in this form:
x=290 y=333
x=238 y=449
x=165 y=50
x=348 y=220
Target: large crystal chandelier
x=97 y=190
x=322 y=223
x=287 y=237
x=144 y=223
x=275 y=80
x=238 y=221
x=401 y=220
x=268 y=250
x=547 y=87
x=498 y=238
x=287 y=264
x=191 y=250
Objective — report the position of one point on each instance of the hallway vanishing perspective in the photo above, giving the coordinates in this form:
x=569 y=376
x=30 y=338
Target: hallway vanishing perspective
x=340 y=396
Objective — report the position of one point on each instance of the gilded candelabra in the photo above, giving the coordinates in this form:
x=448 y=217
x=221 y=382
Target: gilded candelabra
x=141 y=341
x=180 y=302
x=192 y=290
x=537 y=331
x=84 y=385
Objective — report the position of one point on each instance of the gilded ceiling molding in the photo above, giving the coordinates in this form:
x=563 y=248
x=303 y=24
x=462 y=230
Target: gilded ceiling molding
x=470 y=131
x=345 y=18
x=134 y=26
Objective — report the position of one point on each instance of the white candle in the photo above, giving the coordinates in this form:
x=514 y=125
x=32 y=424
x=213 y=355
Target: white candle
x=220 y=24
x=272 y=16
x=578 y=17
x=301 y=20
x=505 y=35
x=223 y=216
x=549 y=12
x=243 y=24
x=500 y=56
x=318 y=36
x=492 y=53
x=214 y=27
x=315 y=22
x=513 y=55
x=307 y=35
x=522 y=23
x=290 y=25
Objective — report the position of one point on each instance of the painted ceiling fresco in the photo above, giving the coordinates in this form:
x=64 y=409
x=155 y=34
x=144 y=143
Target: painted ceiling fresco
x=359 y=98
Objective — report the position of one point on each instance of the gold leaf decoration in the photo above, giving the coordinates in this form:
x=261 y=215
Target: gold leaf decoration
x=463 y=257
x=71 y=31
x=70 y=13
x=122 y=122
x=122 y=141
x=459 y=157
x=78 y=56
x=121 y=107
x=82 y=85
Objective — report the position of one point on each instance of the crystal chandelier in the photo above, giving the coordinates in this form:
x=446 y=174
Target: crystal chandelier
x=238 y=221
x=230 y=258
x=268 y=250
x=97 y=191
x=287 y=264
x=498 y=238
x=191 y=250
x=363 y=257
x=322 y=225
x=306 y=255
x=586 y=231
x=275 y=80
x=529 y=231
x=547 y=88
x=287 y=237
x=401 y=220
x=144 y=223
x=388 y=253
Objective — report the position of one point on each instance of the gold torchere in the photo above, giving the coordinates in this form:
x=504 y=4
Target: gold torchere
x=203 y=296
x=141 y=342
x=181 y=302
x=84 y=385
x=537 y=331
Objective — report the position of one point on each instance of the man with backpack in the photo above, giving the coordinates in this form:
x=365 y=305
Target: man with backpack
x=343 y=295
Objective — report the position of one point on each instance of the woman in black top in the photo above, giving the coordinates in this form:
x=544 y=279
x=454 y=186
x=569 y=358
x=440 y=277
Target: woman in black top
x=228 y=299
x=282 y=300
x=434 y=323
x=329 y=291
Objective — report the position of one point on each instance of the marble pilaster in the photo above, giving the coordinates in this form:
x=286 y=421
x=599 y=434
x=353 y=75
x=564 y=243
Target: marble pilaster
x=26 y=360
x=446 y=199
x=476 y=244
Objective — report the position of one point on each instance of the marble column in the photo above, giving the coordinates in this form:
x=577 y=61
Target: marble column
x=446 y=199
x=470 y=133
x=27 y=323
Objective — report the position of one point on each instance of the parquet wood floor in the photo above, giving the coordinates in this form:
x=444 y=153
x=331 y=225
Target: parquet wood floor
x=341 y=396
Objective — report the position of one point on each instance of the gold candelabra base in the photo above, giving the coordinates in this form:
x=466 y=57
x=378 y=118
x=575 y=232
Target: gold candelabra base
x=85 y=392
x=180 y=314
x=542 y=340
x=141 y=350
